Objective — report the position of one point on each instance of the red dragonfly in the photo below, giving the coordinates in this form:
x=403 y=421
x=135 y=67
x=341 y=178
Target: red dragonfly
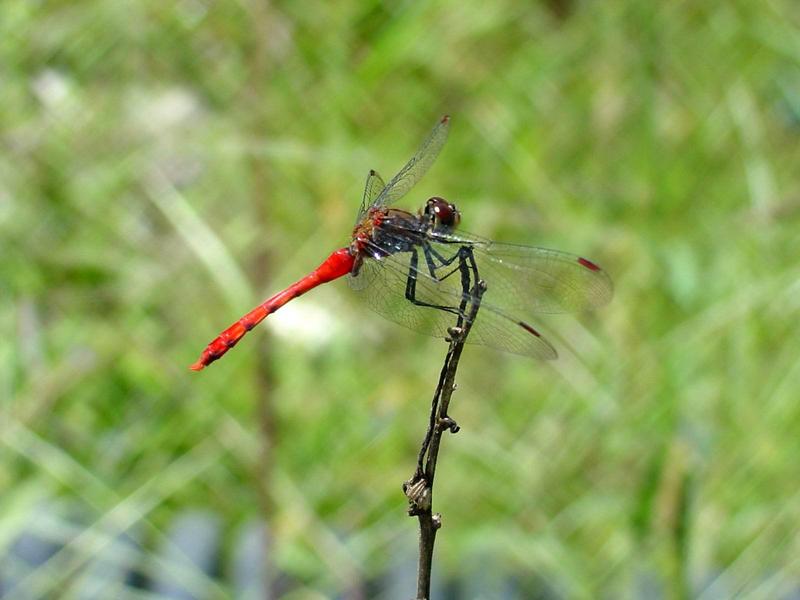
x=419 y=271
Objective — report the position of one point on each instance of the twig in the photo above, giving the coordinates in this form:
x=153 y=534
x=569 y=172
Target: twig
x=419 y=489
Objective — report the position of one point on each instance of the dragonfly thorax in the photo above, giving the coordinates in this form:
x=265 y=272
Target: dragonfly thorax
x=394 y=231
x=386 y=231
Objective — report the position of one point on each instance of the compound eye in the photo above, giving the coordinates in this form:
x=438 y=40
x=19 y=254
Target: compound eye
x=445 y=213
x=456 y=219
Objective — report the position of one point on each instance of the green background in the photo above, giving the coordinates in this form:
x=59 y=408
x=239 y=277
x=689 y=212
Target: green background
x=166 y=166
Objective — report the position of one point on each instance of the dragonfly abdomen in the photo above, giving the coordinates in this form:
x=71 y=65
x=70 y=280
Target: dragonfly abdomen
x=338 y=264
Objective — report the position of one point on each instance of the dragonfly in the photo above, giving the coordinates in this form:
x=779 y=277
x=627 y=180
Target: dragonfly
x=420 y=270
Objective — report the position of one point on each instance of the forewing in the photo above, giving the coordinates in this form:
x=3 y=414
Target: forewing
x=415 y=168
x=526 y=279
x=543 y=280
x=372 y=190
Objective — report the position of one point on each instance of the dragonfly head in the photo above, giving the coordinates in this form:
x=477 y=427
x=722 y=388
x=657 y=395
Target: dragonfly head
x=442 y=214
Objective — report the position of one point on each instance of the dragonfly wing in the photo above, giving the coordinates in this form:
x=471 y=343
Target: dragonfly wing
x=372 y=189
x=383 y=287
x=526 y=279
x=547 y=281
x=383 y=284
x=419 y=164
x=498 y=330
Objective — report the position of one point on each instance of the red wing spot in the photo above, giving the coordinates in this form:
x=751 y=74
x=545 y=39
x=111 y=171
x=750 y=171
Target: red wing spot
x=588 y=264
x=445 y=119
x=529 y=329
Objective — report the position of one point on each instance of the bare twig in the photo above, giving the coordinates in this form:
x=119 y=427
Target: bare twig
x=419 y=489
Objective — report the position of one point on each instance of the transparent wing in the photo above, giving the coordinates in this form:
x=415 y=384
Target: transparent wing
x=415 y=168
x=372 y=190
x=527 y=279
x=383 y=285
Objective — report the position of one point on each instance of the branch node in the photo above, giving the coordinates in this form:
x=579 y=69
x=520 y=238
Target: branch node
x=454 y=334
x=450 y=424
x=418 y=494
x=436 y=520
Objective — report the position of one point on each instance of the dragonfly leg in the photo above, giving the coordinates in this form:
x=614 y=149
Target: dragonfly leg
x=442 y=259
x=466 y=266
x=430 y=253
x=466 y=263
x=411 y=287
x=463 y=252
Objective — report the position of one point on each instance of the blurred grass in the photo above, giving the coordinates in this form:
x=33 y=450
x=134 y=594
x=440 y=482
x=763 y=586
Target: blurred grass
x=164 y=166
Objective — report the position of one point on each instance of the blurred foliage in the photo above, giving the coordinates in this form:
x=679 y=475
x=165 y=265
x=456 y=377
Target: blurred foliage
x=166 y=165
